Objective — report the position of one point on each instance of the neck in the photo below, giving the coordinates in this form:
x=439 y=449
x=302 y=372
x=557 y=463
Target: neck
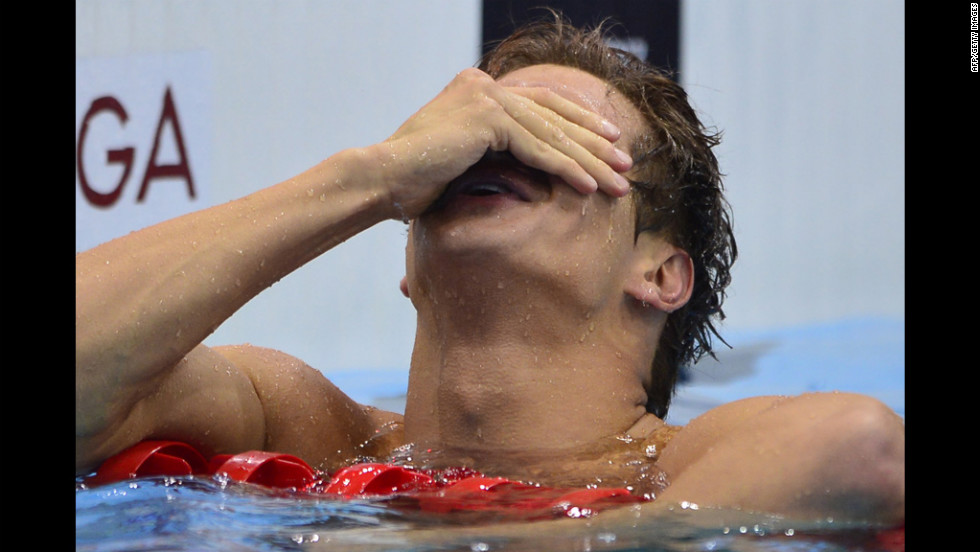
x=499 y=372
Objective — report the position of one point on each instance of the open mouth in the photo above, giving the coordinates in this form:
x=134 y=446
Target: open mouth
x=496 y=174
x=484 y=188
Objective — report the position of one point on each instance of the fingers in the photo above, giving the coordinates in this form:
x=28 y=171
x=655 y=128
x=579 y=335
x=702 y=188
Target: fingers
x=566 y=139
x=570 y=110
x=474 y=113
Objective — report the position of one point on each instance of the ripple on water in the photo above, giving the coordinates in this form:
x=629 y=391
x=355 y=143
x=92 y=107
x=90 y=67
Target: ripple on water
x=188 y=513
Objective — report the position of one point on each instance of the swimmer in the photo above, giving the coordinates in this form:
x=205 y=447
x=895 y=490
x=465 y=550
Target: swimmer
x=568 y=249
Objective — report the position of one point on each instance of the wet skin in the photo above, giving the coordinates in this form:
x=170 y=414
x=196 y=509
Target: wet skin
x=529 y=339
x=538 y=315
x=146 y=301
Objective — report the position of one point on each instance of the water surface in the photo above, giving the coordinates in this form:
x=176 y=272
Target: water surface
x=203 y=513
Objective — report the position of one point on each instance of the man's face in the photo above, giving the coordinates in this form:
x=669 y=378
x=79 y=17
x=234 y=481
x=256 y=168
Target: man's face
x=526 y=225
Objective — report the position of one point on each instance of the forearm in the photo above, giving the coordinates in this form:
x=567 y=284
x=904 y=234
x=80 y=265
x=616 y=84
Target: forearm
x=143 y=301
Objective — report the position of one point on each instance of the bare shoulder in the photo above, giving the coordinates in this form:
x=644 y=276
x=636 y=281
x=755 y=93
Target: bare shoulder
x=808 y=415
x=306 y=414
x=840 y=454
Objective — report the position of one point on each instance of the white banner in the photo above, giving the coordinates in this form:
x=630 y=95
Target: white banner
x=143 y=142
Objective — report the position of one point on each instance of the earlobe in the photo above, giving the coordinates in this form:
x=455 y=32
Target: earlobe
x=662 y=275
x=403 y=285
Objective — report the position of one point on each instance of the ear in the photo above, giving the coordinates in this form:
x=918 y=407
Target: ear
x=403 y=285
x=661 y=274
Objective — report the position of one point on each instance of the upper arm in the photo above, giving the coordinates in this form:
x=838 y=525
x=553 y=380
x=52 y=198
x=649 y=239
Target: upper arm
x=304 y=413
x=226 y=400
x=204 y=400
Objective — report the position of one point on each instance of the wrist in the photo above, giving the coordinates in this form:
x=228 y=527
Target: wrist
x=369 y=168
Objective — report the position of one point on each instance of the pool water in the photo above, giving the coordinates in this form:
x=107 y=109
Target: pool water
x=205 y=513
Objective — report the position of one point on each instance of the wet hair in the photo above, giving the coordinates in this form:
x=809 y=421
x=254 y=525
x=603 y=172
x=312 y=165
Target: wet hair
x=677 y=187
